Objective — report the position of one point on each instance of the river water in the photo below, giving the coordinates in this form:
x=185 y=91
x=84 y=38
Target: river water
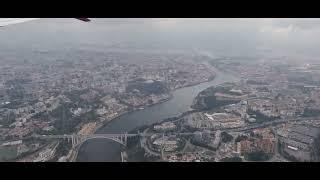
x=98 y=150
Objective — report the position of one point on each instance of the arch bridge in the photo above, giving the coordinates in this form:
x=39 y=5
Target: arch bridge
x=80 y=139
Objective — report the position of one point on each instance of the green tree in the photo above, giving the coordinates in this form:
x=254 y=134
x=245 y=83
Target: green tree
x=231 y=159
x=257 y=156
x=225 y=137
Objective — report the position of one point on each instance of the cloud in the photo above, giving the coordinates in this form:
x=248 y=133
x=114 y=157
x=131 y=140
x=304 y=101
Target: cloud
x=279 y=30
x=302 y=24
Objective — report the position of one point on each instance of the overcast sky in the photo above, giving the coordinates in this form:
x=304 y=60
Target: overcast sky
x=229 y=35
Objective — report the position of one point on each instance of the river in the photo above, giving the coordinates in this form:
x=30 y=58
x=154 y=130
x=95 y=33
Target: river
x=102 y=150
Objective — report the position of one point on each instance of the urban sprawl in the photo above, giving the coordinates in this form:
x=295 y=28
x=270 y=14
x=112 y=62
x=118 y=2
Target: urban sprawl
x=271 y=114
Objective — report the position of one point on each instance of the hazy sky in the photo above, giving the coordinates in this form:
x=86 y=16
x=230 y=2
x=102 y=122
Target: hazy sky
x=229 y=35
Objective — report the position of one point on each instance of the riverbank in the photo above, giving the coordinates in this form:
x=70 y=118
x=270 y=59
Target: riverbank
x=106 y=123
x=73 y=153
x=170 y=96
x=106 y=151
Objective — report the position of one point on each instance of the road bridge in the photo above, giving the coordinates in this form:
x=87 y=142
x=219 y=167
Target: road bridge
x=78 y=139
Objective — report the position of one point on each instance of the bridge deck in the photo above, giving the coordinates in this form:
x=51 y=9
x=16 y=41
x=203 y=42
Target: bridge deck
x=249 y=127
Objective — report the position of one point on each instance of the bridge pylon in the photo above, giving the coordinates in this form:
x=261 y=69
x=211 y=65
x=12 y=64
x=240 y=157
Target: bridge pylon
x=125 y=139
x=76 y=140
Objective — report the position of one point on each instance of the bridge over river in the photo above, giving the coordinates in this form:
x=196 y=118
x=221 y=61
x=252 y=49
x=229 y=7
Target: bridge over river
x=119 y=138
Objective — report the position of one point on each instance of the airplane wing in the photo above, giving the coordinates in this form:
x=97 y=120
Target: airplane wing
x=9 y=21
x=84 y=19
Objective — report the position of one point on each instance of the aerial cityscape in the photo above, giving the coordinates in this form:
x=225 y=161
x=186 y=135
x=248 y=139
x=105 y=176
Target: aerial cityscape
x=137 y=90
